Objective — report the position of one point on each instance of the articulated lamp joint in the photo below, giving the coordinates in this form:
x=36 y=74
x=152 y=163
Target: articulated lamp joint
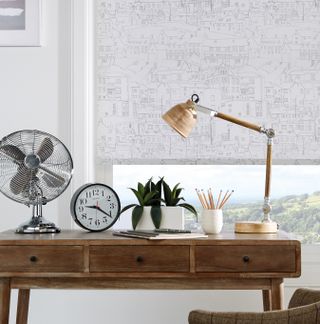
x=270 y=132
x=266 y=210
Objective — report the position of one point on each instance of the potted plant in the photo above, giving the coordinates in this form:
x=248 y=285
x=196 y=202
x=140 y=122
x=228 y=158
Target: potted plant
x=152 y=211
x=148 y=195
x=172 y=197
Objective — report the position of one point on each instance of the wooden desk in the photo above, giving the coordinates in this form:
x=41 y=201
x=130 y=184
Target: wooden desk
x=75 y=259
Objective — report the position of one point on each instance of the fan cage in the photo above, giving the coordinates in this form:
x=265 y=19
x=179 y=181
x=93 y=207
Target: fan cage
x=58 y=165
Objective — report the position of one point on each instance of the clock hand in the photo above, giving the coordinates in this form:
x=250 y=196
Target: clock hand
x=97 y=207
x=102 y=211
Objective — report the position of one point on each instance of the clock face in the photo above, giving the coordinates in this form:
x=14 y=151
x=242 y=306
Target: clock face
x=95 y=207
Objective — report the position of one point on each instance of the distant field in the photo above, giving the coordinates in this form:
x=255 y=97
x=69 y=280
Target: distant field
x=295 y=214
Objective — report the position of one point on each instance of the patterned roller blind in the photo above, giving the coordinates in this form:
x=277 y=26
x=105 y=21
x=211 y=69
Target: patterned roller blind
x=258 y=60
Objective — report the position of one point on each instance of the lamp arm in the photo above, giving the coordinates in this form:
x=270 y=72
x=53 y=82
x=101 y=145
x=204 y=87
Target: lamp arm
x=267 y=206
x=238 y=121
x=206 y=110
x=269 y=132
x=213 y=113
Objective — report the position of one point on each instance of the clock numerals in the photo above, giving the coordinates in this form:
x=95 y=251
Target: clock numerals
x=81 y=208
x=95 y=192
x=83 y=201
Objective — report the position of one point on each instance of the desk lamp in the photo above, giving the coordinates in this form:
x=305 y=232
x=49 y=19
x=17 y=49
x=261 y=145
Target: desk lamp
x=182 y=119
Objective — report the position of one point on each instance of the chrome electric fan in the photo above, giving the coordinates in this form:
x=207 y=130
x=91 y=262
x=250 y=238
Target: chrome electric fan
x=35 y=168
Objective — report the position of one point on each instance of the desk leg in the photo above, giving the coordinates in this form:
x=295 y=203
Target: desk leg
x=266 y=296
x=23 y=306
x=4 y=301
x=277 y=294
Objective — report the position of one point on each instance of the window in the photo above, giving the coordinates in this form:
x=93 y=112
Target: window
x=295 y=195
x=147 y=59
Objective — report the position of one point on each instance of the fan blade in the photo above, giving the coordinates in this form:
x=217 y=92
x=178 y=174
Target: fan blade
x=45 y=150
x=20 y=180
x=53 y=181
x=13 y=152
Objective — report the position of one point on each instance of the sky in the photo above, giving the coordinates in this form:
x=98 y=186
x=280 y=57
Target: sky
x=246 y=180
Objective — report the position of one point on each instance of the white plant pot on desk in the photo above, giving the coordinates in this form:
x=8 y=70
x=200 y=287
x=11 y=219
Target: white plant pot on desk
x=172 y=217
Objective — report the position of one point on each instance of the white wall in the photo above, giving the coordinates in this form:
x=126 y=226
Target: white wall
x=34 y=83
x=35 y=93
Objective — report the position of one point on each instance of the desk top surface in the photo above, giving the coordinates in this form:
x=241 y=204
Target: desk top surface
x=79 y=237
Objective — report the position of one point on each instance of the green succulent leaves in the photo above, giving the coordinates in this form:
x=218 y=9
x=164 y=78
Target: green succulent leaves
x=150 y=195
x=156 y=216
x=136 y=215
x=172 y=197
x=147 y=195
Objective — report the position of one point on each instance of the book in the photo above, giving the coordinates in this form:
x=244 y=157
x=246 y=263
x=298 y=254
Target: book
x=151 y=235
x=185 y=236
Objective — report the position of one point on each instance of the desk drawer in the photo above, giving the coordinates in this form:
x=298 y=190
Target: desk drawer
x=41 y=258
x=139 y=258
x=276 y=258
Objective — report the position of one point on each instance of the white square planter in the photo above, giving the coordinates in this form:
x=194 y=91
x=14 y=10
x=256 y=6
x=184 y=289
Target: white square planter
x=172 y=217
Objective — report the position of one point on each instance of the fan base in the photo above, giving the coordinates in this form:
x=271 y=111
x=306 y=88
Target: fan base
x=37 y=224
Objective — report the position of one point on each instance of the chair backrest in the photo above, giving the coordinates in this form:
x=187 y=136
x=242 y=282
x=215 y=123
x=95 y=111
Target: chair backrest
x=304 y=308
x=303 y=296
x=308 y=314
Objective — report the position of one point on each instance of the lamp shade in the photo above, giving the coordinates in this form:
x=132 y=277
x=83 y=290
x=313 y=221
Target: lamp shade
x=182 y=117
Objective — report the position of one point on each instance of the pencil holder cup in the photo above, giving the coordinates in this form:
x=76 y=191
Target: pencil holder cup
x=212 y=221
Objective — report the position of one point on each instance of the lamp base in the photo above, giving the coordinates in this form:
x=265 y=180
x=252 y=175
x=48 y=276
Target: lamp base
x=255 y=227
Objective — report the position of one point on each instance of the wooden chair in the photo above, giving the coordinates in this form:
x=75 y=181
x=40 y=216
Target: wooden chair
x=304 y=308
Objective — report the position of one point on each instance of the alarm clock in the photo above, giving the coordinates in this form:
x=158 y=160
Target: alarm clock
x=95 y=207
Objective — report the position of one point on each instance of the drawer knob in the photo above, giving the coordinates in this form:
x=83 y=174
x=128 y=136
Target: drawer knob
x=33 y=258
x=139 y=259
x=246 y=259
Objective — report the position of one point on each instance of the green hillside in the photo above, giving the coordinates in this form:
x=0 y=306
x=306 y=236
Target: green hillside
x=295 y=214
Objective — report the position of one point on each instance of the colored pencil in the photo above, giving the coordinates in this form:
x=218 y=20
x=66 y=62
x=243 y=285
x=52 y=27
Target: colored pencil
x=227 y=198
x=207 y=200
x=224 y=197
